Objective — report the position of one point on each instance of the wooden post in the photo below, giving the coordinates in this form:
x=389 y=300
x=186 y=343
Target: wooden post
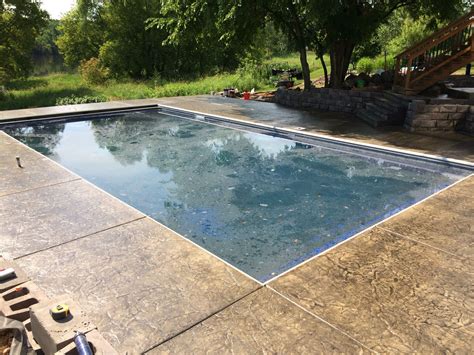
x=407 y=77
x=396 y=76
x=472 y=42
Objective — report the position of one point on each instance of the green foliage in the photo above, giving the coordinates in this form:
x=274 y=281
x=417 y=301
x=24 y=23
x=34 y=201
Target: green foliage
x=205 y=35
x=82 y=33
x=3 y=93
x=380 y=62
x=271 y=41
x=365 y=65
x=399 y=32
x=93 y=72
x=74 y=100
x=128 y=48
x=46 y=90
x=347 y=24
x=46 y=41
x=411 y=32
x=141 y=38
x=370 y=65
x=369 y=48
x=253 y=71
x=20 y=23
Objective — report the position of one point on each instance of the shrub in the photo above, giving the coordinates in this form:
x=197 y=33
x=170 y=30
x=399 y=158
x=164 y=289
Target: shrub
x=93 y=72
x=365 y=65
x=253 y=74
x=3 y=93
x=379 y=62
x=74 y=100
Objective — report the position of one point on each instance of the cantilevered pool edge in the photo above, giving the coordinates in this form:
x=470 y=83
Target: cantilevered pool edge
x=289 y=133
x=216 y=119
x=294 y=134
x=368 y=229
x=133 y=208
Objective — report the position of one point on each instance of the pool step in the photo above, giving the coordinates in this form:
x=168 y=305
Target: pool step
x=386 y=110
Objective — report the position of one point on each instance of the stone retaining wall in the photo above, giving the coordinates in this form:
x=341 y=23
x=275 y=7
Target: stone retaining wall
x=461 y=80
x=325 y=99
x=469 y=122
x=440 y=116
x=423 y=115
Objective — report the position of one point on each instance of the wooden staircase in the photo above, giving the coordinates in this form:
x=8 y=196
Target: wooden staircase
x=436 y=57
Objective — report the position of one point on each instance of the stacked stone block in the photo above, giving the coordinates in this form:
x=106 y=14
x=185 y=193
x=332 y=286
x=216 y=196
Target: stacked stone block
x=469 y=123
x=437 y=116
x=326 y=99
x=423 y=115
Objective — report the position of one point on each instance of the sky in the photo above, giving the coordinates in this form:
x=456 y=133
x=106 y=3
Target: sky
x=57 y=8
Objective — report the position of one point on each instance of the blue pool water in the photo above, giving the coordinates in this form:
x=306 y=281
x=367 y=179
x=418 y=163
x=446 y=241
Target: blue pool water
x=260 y=202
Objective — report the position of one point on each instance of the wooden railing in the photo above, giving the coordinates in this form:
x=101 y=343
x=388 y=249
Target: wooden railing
x=431 y=54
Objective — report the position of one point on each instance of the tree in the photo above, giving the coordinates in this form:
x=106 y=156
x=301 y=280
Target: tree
x=46 y=41
x=82 y=32
x=20 y=23
x=129 y=49
x=347 y=23
x=292 y=18
x=237 y=22
x=121 y=35
x=210 y=32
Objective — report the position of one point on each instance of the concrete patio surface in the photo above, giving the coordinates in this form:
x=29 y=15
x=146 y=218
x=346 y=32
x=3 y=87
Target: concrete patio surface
x=263 y=322
x=333 y=124
x=140 y=282
x=405 y=285
x=18 y=180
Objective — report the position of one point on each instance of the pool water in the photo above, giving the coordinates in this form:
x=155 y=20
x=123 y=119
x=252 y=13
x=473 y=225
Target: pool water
x=262 y=203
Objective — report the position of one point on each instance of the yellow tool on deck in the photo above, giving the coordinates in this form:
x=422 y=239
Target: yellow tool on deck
x=59 y=312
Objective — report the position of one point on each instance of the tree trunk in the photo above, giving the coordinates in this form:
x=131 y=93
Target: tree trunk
x=340 y=54
x=305 y=68
x=320 y=54
x=325 y=69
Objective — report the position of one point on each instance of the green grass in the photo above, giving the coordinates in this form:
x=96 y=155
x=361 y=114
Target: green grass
x=46 y=90
x=293 y=60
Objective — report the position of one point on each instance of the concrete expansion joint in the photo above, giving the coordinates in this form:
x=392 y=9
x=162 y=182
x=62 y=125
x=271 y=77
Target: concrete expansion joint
x=203 y=319
x=78 y=238
x=40 y=187
x=196 y=297
x=420 y=242
x=312 y=314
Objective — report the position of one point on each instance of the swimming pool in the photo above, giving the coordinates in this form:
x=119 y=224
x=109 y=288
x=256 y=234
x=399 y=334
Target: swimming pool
x=262 y=202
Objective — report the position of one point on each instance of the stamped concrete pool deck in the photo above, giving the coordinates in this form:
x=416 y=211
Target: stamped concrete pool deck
x=406 y=285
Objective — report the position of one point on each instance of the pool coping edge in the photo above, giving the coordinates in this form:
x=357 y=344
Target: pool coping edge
x=348 y=142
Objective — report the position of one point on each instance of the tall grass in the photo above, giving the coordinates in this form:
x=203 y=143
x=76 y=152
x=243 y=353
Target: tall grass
x=47 y=90
x=53 y=88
